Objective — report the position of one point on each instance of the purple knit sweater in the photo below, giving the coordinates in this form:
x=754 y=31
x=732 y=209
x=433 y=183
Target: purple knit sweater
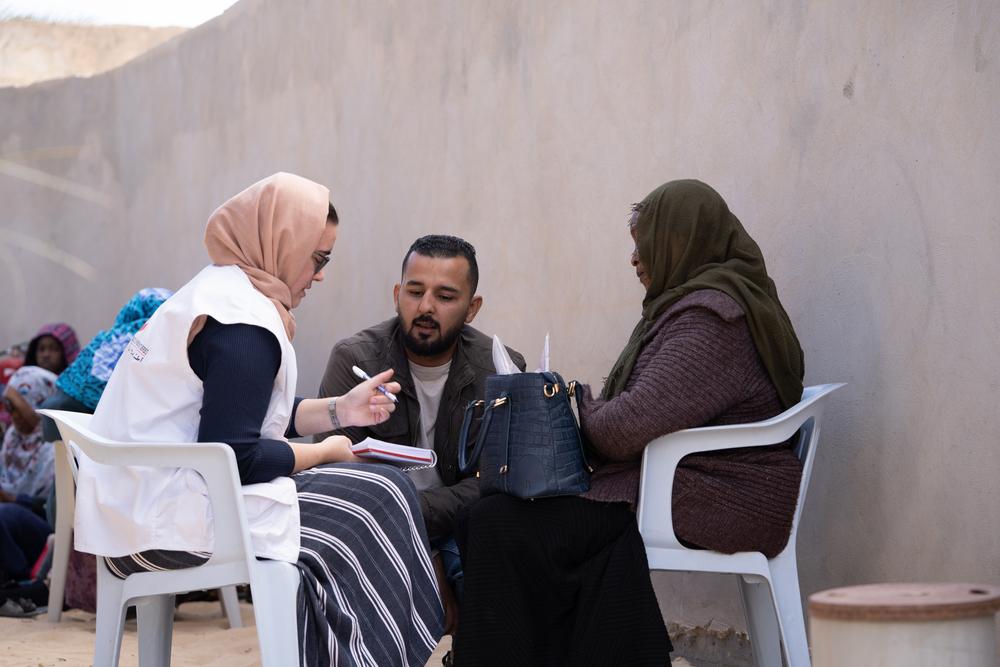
x=698 y=367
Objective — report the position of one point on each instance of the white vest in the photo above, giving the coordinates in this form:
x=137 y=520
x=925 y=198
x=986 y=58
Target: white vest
x=154 y=396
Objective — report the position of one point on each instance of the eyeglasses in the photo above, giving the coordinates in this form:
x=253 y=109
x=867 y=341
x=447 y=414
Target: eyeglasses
x=320 y=260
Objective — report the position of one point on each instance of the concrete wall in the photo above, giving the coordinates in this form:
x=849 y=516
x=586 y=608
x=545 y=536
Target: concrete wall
x=859 y=143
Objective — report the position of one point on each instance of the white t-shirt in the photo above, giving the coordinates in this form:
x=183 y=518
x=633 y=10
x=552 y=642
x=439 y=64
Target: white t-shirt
x=429 y=382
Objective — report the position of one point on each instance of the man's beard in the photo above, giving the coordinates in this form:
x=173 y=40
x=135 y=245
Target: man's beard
x=428 y=348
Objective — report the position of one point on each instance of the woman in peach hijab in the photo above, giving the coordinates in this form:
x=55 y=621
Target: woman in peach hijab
x=215 y=364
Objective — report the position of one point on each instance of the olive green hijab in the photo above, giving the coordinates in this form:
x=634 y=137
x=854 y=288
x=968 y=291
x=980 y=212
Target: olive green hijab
x=688 y=240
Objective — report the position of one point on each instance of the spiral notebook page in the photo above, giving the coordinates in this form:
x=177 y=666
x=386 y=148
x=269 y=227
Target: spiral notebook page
x=408 y=458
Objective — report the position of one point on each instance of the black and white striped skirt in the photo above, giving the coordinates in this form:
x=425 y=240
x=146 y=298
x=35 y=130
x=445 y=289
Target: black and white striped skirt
x=368 y=594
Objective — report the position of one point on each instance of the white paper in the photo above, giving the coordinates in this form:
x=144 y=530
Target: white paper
x=543 y=363
x=501 y=360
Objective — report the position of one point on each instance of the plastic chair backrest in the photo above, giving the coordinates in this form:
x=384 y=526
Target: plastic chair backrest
x=805 y=447
x=215 y=462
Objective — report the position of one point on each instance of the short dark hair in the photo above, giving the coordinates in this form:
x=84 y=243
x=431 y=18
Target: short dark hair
x=441 y=245
x=331 y=217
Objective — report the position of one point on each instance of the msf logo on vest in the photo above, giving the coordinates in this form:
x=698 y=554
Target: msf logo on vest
x=137 y=350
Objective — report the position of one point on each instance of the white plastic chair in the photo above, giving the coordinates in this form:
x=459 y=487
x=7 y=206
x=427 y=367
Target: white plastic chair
x=770 y=587
x=62 y=539
x=273 y=584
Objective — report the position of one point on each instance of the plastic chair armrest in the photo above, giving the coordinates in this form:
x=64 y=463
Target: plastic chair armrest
x=662 y=455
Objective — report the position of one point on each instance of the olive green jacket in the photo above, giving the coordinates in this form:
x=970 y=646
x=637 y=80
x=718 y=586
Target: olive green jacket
x=380 y=347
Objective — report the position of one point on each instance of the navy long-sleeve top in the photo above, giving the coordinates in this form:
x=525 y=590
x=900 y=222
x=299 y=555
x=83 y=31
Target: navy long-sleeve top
x=237 y=364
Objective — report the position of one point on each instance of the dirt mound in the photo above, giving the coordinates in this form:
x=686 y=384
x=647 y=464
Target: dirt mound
x=33 y=51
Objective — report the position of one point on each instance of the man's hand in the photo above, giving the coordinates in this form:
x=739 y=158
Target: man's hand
x=448 y=600
x=7 y=497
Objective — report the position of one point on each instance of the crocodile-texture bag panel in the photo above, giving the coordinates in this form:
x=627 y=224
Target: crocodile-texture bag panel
x=535 y=435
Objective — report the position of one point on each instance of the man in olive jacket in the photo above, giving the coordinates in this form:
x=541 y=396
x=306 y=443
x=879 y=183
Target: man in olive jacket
x=441 y=363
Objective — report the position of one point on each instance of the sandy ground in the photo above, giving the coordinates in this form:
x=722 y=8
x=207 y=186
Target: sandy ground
x=201 y=639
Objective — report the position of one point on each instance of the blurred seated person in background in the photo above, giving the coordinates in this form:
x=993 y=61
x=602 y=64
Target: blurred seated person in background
x=53 y=348
x=26 y=474
x=81 y=384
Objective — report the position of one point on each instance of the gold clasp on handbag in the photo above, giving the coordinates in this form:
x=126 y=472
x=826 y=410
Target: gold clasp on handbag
x=503 y=469
x=571 y=388
x=500 y=401
x=550 y=390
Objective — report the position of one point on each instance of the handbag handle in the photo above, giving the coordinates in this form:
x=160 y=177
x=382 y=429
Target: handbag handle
x=573 y=390
x=466 y=463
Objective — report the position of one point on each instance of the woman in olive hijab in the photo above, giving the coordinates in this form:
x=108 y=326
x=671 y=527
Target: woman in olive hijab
x=687 y=240
x=568 y=576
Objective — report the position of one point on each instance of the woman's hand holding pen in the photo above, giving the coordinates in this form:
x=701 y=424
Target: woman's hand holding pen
x=365 y=404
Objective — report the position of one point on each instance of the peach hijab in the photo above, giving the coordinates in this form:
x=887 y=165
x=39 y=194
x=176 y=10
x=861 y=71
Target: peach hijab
x=270 y=230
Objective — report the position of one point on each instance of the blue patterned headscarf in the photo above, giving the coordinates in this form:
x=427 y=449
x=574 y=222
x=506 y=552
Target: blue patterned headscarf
x=86 y=377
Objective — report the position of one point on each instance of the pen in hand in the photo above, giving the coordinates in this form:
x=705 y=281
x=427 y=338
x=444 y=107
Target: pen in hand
x=385 y=392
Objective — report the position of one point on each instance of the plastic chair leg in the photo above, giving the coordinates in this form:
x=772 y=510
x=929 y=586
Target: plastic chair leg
x=155 y=617
x=788 y=602
x=110 y=617
x=65 y=506
x=275 y=589
x=57 y=575
x=230 y=606
x=765 y=634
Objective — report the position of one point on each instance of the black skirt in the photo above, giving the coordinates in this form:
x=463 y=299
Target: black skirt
x=556 y=581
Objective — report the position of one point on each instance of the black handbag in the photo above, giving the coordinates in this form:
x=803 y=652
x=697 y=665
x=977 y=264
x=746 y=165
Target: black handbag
x=529 y=443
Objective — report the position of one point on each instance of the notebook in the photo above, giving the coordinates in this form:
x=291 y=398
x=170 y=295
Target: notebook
x=404 y=456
